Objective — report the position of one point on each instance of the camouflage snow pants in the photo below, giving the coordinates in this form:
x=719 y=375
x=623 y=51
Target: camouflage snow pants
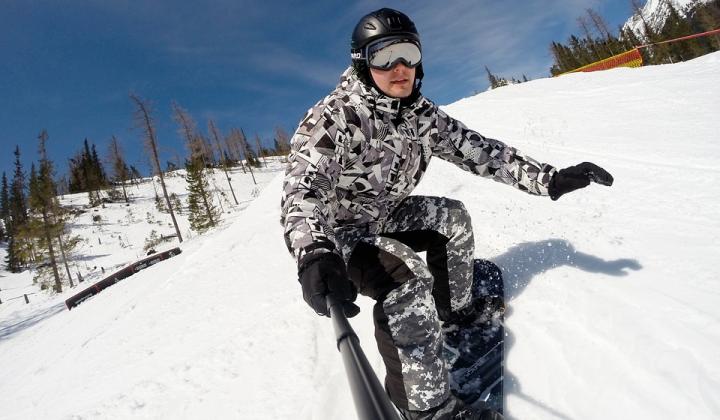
x=413 y=297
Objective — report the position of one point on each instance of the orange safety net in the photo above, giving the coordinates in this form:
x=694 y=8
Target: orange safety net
x=633 y=58
x=630 y=58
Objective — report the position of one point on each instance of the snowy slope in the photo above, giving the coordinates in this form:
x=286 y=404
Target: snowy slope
x=114 y=234
x=612 y=291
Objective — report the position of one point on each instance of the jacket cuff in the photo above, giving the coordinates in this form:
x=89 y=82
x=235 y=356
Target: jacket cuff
x=314 y=251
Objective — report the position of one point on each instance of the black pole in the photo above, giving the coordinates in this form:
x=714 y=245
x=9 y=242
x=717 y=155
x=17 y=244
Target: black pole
x=371 y=401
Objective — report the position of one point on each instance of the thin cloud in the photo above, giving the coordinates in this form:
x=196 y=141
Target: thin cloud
x=282 y=61
x=461 y=37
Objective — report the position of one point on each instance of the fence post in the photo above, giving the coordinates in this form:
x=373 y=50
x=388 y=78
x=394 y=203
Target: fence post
x=26 y=298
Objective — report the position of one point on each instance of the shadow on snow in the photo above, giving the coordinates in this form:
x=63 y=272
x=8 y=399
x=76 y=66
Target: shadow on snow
x=521 y=263
x=9 y=328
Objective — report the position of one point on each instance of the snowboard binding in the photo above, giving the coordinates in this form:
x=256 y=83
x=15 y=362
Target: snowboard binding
x=473 y=344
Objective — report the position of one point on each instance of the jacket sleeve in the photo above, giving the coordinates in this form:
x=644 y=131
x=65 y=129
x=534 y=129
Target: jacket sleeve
x=309 y=189
x=487 y=157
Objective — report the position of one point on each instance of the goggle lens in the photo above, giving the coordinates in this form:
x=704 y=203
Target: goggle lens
x=385 y=55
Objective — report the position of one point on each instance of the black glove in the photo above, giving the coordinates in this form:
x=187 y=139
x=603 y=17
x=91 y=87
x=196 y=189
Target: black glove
x=576 y=177
x=324 y=274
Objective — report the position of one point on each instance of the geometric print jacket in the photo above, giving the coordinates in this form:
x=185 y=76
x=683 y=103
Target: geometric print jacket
x=357 y=154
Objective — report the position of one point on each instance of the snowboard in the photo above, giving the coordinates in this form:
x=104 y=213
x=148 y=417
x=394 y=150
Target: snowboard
x=475 y=352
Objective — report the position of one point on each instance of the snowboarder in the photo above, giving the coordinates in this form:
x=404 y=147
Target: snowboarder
x=352 y=225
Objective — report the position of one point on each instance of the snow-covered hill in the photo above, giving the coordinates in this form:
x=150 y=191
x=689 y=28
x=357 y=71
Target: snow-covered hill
x=613 y=296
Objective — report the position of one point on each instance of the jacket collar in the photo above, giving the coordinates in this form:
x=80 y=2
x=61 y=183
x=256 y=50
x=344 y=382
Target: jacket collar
x=350 y=82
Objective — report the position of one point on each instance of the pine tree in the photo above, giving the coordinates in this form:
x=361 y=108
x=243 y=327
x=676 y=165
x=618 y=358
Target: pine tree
x=177 y=204
x=202 y=214
x=42 y=203
x=18 y=203
x=160 y=204
x=87 y=173
x=4 y=207
x=135 y=175
x=707 y=18
x=76 y=181
x=11 y=261
x=4 y=198
x=98 y=169
x=91 y=176
x=250 y=157
x=17 y=217
x=492 y=79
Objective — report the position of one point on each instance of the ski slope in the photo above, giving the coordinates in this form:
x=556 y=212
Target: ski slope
x=613 y=294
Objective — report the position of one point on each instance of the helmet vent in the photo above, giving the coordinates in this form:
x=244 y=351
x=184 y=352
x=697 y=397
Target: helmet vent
x=394 y=22
x=370 y=26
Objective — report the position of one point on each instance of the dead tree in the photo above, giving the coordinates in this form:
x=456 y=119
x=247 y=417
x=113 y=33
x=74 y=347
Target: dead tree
x=188 y=131
x=216 y=138
x=260 y=150
x=144 y=122
x=233 y=146
x=246 y=152
x=582 y=23
x=602 y=28
x=119 y=166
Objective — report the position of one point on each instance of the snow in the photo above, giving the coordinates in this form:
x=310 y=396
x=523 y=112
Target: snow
x=612 y=309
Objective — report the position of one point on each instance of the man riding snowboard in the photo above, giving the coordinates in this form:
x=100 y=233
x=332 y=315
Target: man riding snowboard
x=352 y=225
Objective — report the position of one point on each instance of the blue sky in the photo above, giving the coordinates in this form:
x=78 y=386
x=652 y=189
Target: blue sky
x=69 y=66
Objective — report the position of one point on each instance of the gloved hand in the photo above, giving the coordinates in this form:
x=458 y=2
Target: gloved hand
x=324 y=274
x=576 y=177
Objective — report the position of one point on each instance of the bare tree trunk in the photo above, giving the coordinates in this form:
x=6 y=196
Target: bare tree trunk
x=118 y=165
x=53 y=261
x=601 y=27
x=62 y=253
x=588 y=36
x=208 y=210
x=188 y=130
x=246 y=153
x=145 y=122
x=54 y=214
x=124 y=192
x=260 y=149
x=222 y=208
x=232 y=144
x=216 y=137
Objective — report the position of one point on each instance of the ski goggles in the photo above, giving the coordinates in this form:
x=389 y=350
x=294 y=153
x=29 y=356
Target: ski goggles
x=386 y=53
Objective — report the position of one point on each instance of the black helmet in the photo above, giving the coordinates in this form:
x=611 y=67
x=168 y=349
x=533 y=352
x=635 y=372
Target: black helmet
x=380 y=24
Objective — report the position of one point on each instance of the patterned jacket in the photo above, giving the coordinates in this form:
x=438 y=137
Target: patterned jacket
x=358 y=153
